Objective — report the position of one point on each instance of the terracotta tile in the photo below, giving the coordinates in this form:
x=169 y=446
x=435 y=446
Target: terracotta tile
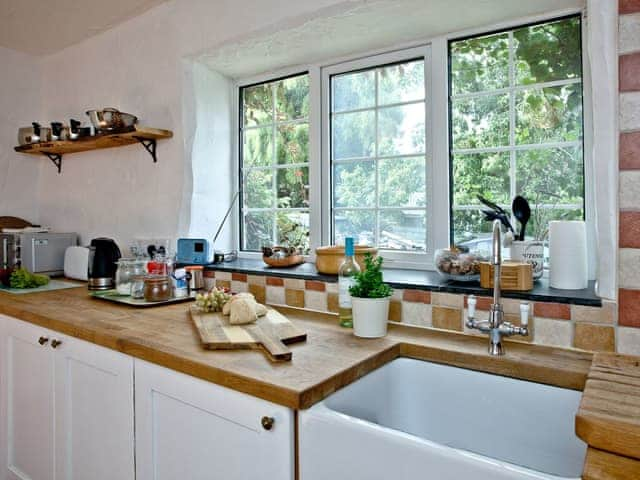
x=258 y=291
x=223 y=284
x=313 y=285
x=629 y=151
x=629 y=226
x=628 y=6
x=395 y=311
x=209 y=274
x=239 y=277
x=560 y=311
x=423 y=296
x=629 y=308
x=332 y=303
x=294 y=298
x=603 y=315
x=482 y=303
x=447 y=318
x=275 y=281
x=629 y=72
x=597 y=338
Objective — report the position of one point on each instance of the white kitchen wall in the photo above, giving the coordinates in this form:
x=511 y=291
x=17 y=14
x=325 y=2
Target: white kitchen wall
x=20 y=104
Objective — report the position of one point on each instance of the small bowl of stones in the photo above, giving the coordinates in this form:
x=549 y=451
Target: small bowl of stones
x=459 y=264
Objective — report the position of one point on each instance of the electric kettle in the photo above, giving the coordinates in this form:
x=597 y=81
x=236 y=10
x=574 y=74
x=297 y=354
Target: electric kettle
x=103 y=255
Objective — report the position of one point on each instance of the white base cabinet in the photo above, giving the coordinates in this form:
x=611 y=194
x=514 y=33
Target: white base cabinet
x=66 y=407
x=192 y=429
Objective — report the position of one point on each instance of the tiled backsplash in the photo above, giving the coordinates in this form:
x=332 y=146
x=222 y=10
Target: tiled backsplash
x=554 y=324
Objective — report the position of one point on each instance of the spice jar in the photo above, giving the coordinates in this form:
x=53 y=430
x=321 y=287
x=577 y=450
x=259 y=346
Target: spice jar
x=137 y=286
x=157 y=288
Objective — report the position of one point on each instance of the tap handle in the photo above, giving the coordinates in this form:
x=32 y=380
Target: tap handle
x=524 y=314
x=471 y=306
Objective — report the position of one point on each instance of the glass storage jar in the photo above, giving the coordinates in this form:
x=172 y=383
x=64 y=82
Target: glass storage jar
x=157 y=288
x=127 y=269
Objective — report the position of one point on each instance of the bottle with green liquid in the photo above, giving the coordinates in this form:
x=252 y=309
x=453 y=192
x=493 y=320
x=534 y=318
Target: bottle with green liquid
x=348 y=269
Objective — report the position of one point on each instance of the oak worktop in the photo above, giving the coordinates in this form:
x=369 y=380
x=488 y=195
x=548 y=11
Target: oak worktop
x=330 y=358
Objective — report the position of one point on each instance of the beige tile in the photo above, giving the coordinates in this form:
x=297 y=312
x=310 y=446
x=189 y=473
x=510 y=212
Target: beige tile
x=447 y=300
x=414 y=313
x=333 y=304
x=597 y=338
x=629 y=271
x=629 y=340
x=209 y=283
x=605 y=314
x=552 y=332
x=397 y=294
x=256 y=279
x=223 y=283
x=629 y=33
x=332 y=287
x=223 y=276
x=629 y=111
x=294 y=283
x=294 y=298
x=512 y=306
x=239 y=287
x=629 y=190
x=447 y=318
x=275 y=295
x=314 y=300
x=395 y=311
x=259 y=292
x=515 y=320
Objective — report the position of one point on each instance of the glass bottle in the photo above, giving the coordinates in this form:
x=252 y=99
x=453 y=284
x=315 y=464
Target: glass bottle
x=348 y=269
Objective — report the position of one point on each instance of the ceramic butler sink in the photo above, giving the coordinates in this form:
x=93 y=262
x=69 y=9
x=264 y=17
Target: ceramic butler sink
x=414 y=419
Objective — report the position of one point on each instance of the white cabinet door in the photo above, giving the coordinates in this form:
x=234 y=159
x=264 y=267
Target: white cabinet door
x=192 y=429
x=26 y=402
x=94 y=412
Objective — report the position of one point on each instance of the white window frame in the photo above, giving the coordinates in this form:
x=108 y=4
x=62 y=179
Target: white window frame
x=435 y=51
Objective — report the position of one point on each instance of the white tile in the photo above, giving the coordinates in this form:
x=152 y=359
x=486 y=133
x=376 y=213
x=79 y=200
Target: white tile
x=314 y=300
x=630 y=189
x=416 y=313
x=629 y=33
x=223 y=275
x=209 y=283
x=397 y=294
x=606 y=314
x=551 y=332
x=256 y=279
x=452 y=300
x=294 y=283
x=628 y=340
x=332 y=287
x=629 y=111
x=275 y=295
x=239 y=287
x=629 y=268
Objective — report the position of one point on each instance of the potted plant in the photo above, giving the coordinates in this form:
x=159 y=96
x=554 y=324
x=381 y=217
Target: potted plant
x=370 y=300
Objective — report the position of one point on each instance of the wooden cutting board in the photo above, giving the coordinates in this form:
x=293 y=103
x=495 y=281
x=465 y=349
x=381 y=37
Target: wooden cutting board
x=271 y=333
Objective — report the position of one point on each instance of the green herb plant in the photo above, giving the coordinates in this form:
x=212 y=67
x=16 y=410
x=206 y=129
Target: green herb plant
x=23 y=278
x=368 y=283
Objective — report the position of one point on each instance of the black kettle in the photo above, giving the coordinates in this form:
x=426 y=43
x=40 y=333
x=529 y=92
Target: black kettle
x=103 y=255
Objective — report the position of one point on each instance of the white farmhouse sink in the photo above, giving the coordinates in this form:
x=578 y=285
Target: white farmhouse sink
x=417 y=420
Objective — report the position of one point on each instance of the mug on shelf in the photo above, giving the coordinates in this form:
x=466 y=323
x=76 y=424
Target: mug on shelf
x=531 y=251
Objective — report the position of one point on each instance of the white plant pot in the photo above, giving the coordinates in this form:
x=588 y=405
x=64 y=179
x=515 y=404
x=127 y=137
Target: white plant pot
x=370 y=316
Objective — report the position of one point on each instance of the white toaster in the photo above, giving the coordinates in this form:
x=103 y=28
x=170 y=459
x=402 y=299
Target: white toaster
x=76 y=263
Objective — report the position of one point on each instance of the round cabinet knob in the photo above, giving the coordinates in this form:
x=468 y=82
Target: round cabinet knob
x=267 y=422
x=43 y=340
x=55 y=343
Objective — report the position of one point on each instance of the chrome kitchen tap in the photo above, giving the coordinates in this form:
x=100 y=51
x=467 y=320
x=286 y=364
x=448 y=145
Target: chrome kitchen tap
x=495 y=326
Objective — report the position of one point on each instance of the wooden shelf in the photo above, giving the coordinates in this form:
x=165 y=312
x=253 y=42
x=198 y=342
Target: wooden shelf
x=55 y=150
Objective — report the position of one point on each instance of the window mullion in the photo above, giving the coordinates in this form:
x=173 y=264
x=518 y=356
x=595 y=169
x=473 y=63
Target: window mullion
x=274 y=162
x=512 y=122
x=376 y=234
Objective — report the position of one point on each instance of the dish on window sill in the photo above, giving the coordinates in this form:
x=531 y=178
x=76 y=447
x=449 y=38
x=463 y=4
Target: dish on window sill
x=282 y=257
x=458 y=264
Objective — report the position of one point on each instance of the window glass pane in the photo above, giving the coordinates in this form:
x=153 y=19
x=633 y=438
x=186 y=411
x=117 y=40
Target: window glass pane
x=471 y=229
x=292 y=98
x=258 y=189
x=552 y=114
x=402 y=182
x=548 y=52
x=353 y=91
x=354 y=135
x=403 y=230
x=540 y=218
x=354 y=184
x=401 y=130
x=485 y=174
x=360 y=224
x=257 y=105
x=401 y=83
x=480 y=122
x=293 y=143
x=257 y=150
x=480 y=64
x=293 y=187
x=258 y=230
x=293 y=229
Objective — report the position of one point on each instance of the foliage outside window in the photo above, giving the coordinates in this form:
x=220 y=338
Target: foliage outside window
x=516 y=125
x=275 y=163
x=378 y=156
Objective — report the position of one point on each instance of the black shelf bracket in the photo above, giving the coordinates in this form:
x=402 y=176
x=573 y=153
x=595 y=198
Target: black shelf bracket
x=56 y=158
x=150 y=146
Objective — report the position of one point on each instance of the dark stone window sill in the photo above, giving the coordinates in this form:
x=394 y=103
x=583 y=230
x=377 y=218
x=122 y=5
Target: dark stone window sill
x=417 y=280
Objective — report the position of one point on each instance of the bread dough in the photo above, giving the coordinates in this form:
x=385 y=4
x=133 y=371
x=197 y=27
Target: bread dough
x=243 y=309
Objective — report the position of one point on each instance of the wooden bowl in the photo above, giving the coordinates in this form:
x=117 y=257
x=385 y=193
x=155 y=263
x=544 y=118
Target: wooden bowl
x=290 y=260
x=329 y=258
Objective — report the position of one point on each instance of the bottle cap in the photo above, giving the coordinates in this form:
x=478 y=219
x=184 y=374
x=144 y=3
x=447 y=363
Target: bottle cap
x=349 y=251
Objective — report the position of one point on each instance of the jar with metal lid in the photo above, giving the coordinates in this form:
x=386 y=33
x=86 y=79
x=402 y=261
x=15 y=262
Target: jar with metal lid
x=137 y=286
x=157 y=288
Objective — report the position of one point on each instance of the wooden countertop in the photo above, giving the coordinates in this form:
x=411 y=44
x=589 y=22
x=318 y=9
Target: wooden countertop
x=330 y=359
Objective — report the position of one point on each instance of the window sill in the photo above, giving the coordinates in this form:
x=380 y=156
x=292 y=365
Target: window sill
x=417 y=280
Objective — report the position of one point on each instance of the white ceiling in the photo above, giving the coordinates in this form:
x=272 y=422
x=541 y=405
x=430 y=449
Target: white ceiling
x=40 y=27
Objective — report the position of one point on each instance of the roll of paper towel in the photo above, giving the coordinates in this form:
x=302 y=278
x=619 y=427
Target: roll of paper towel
x=568 y=255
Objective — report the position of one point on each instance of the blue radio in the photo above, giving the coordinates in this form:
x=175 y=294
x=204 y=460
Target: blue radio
x=194 y=251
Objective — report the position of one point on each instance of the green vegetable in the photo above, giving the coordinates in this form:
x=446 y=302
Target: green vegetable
x=23 y=278
x=368 y=283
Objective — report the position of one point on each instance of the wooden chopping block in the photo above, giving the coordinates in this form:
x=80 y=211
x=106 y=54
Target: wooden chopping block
x=271 y=333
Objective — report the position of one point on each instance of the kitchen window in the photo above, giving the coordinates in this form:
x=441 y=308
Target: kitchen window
x=274 y=163
x=516 y=125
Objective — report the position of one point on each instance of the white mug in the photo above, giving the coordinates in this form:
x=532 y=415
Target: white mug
x=531 y=251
